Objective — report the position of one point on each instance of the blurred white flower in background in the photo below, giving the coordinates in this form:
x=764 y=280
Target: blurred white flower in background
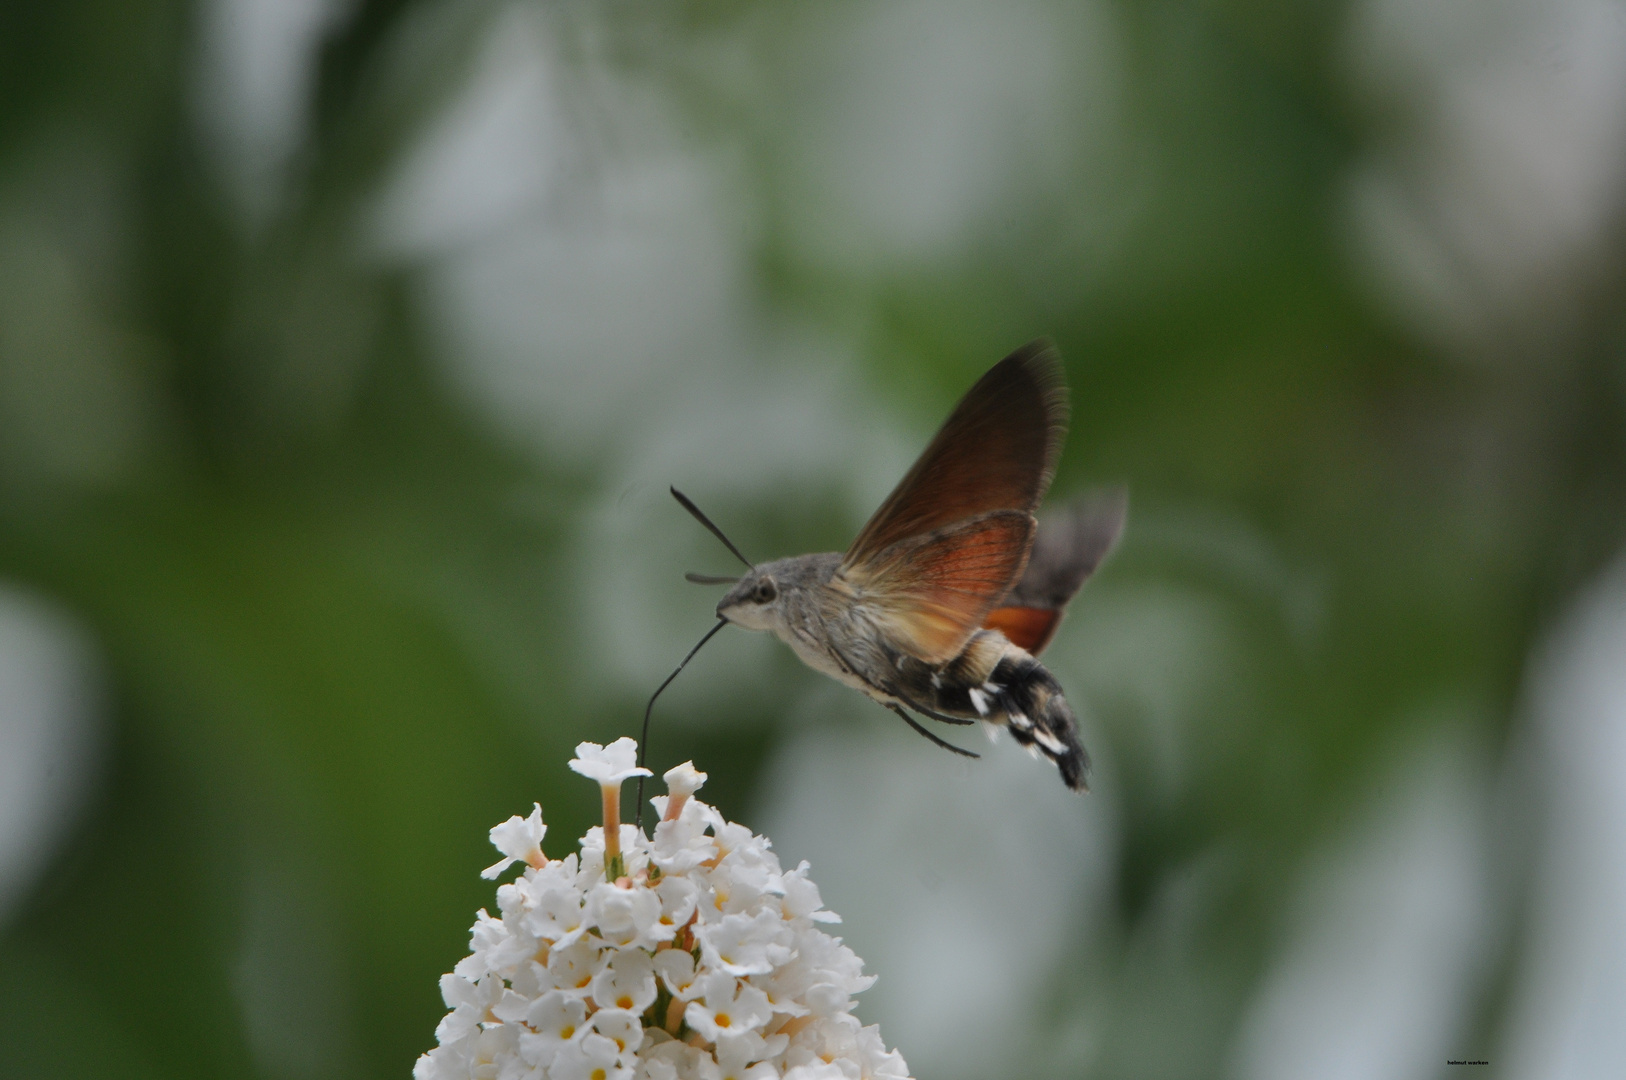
x=1386 y=941
x=253 y=88
x=1485 y=207
x=703 y=961
x=1568 y=1016
x=945 y=117
x=50 y=736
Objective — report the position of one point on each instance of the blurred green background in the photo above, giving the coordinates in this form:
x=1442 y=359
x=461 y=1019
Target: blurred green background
x=346 y=352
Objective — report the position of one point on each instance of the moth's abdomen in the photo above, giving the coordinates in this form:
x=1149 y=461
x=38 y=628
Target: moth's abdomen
x=1039 y=717
x=995 y=681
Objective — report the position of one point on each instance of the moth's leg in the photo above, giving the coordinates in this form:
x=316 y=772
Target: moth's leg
x=935 y=715
x=907 y=719
x=877 y=692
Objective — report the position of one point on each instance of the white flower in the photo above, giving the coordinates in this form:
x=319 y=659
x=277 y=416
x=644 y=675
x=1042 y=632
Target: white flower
x=684 y=780
x=740 y=944
x=703 y=960
x=727 y=1007
x=819 y=1070
x=620 y=1026
x=627 y=982
x=573 y=968
x=593 y=1058
x=878 y=1062
x=627 y=916
x=744 y=1057
x=555 y=1020
x=520 y=840
x=678 y=897
x=676 y=1061
x=681 y=843
x=677 y=971
x=785 y=987
x=555 y=915
x=611 y=764
x=802 y=897
x=629 y=841
x=468 y=1002
x=485 y=936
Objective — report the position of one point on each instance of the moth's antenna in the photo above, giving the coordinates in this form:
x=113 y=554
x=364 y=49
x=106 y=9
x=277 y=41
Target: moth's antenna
x=708 y=579
x=643 y=743
x=715 y=531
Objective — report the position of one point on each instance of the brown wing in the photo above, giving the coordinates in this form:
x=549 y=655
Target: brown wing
x=1065 y=553
x=996 y=451
x=928 y=594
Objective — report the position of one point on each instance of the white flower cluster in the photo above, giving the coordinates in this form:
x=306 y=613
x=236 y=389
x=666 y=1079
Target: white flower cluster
x=700 y=960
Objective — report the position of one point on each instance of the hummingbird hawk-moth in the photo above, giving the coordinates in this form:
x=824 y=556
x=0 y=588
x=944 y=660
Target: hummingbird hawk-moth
x=942 y=604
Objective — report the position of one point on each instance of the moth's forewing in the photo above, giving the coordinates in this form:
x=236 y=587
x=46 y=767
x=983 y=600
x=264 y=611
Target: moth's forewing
x=930 y=593
x=996 y=451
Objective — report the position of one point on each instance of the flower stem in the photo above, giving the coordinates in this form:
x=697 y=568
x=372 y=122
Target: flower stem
x=674 y=1016
x=613 y=865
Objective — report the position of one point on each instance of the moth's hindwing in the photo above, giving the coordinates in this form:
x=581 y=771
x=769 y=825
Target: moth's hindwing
x=1066 y=551
x=1026 y=627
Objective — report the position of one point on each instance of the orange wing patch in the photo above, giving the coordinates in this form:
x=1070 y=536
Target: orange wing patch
x=930 y=593
x=1026 y=627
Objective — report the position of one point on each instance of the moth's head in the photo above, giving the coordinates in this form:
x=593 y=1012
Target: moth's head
x=752 y=602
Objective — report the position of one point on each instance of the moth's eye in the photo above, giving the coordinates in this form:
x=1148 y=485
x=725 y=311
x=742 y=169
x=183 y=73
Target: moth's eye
x=765 y=592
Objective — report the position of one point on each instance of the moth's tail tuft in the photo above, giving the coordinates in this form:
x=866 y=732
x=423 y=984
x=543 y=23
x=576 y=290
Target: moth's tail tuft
x=1040 y=719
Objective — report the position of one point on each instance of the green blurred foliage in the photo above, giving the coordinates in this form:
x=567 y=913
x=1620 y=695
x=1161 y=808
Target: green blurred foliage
x=331 y=615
